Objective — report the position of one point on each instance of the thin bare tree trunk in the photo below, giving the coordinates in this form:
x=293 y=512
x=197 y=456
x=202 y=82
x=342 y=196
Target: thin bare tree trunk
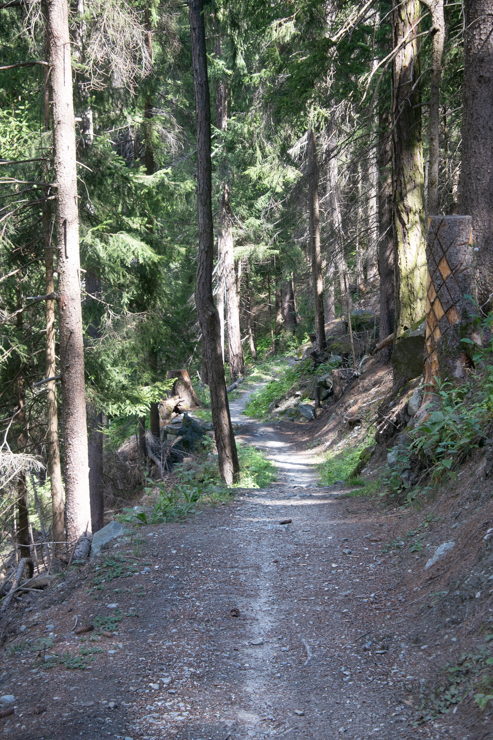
x=78 y=509
x=359 y=256
x=372 y=249
x=52 y=442
x=334 y=219
x=22 y=496
x=438 y=40
x=316 y=253
x=249 y=316
x=409 y=245
x=208 y=316
x=288 y=305
x=330 y=309
x=95 y=435
x=386 y=237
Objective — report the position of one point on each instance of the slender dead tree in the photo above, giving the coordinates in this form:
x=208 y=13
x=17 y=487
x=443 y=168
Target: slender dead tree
x=78 y=509
x=316 y=253
x=207 y=312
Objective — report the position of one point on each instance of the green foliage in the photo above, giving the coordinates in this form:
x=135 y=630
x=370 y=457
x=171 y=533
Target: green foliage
x=109 y=622
x=256 y=470
x=111 y=568
x=472 y=674
x=340 y=464
x=289 y=377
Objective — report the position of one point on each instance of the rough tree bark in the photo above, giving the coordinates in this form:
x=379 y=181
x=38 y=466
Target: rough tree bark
x=316 y=254
x=22 y=494
x=476 y=181
x=385 y=231
x=78 y=509
x=409 y=230
x=250 y=321
x=438 y=20
x=52 y=442
x=336 y=255
x=225 y=245
x=288 y=307
x=208 y=316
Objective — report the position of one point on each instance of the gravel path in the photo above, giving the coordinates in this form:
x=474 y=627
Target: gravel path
x=267 y=617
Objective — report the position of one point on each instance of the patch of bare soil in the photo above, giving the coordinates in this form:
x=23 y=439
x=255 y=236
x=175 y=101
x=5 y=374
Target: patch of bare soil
x=292 y=612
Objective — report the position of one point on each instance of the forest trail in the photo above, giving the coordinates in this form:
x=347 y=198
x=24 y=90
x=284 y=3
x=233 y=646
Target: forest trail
x=272 y=616
x=294 y=467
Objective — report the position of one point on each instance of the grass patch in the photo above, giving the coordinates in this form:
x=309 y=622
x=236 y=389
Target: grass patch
x=256 y=470
x=345 y=464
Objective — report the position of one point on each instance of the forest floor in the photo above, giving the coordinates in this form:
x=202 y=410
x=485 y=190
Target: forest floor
x=288 y=612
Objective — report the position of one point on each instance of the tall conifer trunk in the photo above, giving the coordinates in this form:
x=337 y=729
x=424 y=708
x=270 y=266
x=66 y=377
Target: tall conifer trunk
x=476 y=181
x=22 y=494
x=225 y=247
x=78 y=510
x=207 y=312
x=438 y=40
x=52 y=441
x=409 y=231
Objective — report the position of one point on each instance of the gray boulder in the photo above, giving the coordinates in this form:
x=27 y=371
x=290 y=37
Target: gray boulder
x=106 y=535
x=439 y=553
x=414 y=402
x=307 y=410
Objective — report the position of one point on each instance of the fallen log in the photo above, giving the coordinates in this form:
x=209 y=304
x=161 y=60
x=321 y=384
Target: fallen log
x=18 y=575
x=234 y=385
x=383 y=343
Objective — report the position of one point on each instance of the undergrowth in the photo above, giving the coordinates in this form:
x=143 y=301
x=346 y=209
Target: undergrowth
x=342 y=464
x=288 y=378
x=456 y=425
x=472 y=674
x=198 y=481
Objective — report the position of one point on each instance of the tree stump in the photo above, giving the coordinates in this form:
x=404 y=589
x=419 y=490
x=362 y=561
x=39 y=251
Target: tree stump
x=451 y=312
x=183 y=389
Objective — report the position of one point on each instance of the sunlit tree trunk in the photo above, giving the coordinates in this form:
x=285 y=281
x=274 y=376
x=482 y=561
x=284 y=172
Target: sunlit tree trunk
x=52 y=441
x=410 y=253
x=78 y=510
x=316 y=252
x=207 y=312
x=225 y=245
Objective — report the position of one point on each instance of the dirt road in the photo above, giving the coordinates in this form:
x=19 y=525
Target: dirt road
x=269 y=617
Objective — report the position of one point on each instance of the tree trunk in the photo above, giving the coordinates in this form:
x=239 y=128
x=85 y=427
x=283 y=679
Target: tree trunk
x=476 y=181
x=96 y=466
x=52 y=442
x=78 y=510
x=278 y=319
x=155 y=426
x=372 y=248
x=334 y=219
x=330 y=309
x=316 y=254
x=95 y=436
x=142 y=440
x=225 y=244
x=438 y=21
x=22 y=496
x=386 y=237
x=208 y=316
x=249 y=317
x=360 y=285
x=236 y=361
x=410 y=248
x=287 y=306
